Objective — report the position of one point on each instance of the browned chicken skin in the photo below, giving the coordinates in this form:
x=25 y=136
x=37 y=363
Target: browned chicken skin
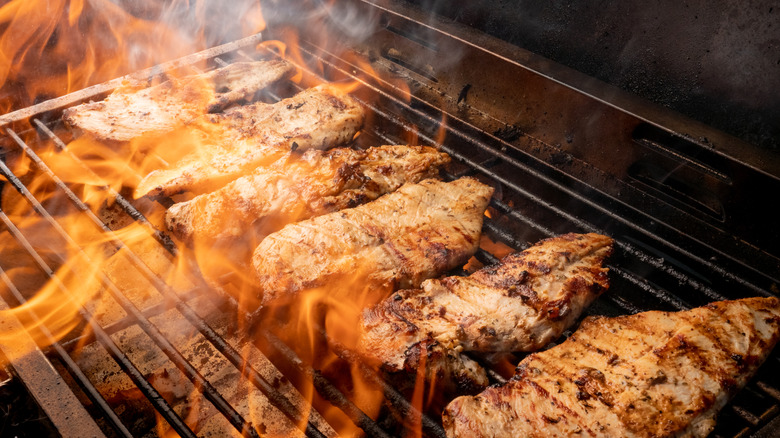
x=246 y=137
x=521 y=304
x=653 y=374
x=300 y=187
x=417 y=232
x=130 y=112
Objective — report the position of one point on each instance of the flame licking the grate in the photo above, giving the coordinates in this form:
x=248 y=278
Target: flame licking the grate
x=52 y=48
x=91 y=252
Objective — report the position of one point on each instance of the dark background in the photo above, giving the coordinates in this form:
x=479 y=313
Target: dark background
x=716 y=61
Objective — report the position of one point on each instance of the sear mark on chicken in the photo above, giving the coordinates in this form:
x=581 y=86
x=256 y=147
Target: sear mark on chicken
x=653 y=374
x=249 y=136
x=298 y=187
x=520 y=304
x=417 y=232
x=130 y=111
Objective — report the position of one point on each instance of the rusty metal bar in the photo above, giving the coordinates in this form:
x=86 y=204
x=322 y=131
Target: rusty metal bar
x=146 y=388
x=46 y=385
x=284 y=405
x=325 y=388
x=86 y=93
x=162 y=342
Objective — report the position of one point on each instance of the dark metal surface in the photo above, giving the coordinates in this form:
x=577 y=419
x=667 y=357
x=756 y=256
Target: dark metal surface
x=666 y=174
x=564 y=153
x=42 y=382
x=20 y=416
x=715 y=61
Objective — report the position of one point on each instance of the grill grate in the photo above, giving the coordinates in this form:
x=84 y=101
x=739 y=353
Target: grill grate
x=135 y=315
x=651 y=270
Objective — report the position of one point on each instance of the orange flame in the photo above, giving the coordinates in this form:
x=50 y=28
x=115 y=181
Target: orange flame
x=50 y=48
x=80 y=43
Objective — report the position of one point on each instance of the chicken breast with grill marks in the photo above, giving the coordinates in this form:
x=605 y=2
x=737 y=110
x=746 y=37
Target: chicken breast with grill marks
x=520 y=304
x=417 y=232
x=653 y=374
x=130 y=111
x=300 y=187
x=246 y=137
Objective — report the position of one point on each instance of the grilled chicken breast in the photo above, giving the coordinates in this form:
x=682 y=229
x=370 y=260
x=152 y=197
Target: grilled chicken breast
x=246 y=137
x=130 y=112
x=653 y=374
x=300 y=187
x=521 y=304
x=399 y=240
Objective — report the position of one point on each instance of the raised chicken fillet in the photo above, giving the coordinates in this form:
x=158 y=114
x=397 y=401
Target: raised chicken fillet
x=519 y=304
x=399 y=240
x=246 y=137
x=299 y=187
x=653 y=374
x=131 y=111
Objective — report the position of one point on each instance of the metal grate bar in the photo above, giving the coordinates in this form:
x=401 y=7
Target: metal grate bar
x=151 y=330
x=146 y=388
x=164 y=240
x=521 y=166
x=84 y=383
x=325 y=388
x=397 y=400
x=126 y=321
x=209 y=333
x=203 y=327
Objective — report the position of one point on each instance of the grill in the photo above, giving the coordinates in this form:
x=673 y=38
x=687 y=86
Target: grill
x=565 y=153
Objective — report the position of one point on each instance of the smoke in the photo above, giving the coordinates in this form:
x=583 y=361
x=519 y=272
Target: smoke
x=49 y=48
x=328 y=19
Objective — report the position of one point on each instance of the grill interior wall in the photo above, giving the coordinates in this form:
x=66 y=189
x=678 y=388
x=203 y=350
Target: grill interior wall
x=534 y=200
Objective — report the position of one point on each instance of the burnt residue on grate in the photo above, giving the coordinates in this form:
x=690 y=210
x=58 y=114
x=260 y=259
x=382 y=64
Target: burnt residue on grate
x=655 y=267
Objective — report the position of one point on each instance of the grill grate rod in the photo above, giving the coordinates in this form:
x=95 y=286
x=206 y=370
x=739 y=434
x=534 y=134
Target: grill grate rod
x=159 y=403
x=670 y=270
x=325 y=388
x=82 y=380
x=517 y=244
x=151 y=330
x=282 y=403
x=227 y=350
x=520 y=215
x=164 y=240
x=127 y=321
x=399 y=402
